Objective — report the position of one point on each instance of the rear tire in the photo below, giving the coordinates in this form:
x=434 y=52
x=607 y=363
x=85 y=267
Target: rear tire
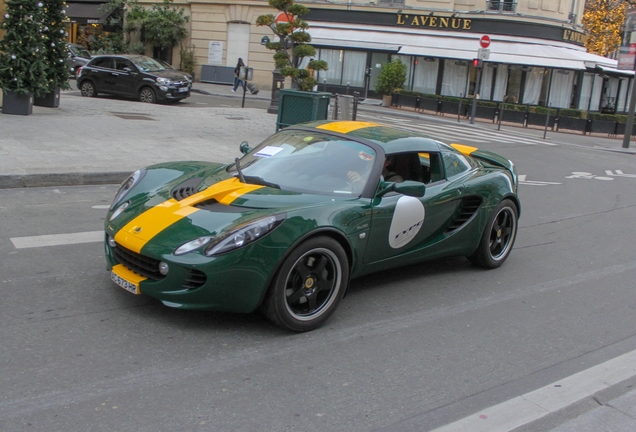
x=498 y=236
x=88 y=89
x=147 y=95
x=308 y=286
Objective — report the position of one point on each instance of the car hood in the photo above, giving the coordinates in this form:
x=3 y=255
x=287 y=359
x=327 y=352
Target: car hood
x=165 y=222
x=172 y=74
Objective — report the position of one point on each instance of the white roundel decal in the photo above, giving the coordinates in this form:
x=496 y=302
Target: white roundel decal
x=407 y=221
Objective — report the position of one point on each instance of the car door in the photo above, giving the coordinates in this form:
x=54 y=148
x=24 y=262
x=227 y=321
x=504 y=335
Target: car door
x=404 y=228
x=100 y=73
x=125 y=77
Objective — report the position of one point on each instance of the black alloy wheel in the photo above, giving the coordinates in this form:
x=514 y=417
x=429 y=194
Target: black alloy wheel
x=498 y=237
x=309 y=285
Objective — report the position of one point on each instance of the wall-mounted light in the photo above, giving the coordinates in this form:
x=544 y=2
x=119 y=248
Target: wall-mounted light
x=492 y=65
x=429 y=59
x=460 y=63
x=431 y=14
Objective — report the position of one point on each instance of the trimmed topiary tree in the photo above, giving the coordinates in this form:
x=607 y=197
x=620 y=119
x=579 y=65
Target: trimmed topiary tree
x=293 y=45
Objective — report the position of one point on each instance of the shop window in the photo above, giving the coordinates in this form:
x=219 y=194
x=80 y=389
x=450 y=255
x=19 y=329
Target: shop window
x=345 y=67
x=454 y=78
x=561 y=88
x=425 y=72
x=514 y=84
x=533 y=84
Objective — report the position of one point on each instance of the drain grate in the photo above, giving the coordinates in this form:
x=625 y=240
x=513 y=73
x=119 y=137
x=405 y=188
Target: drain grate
x=235 y=118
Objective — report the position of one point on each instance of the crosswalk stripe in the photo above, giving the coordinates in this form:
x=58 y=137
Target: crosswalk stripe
x=472 y=135
x=57 y=239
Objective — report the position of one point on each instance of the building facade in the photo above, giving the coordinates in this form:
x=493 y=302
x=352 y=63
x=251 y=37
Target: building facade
x=536 y=54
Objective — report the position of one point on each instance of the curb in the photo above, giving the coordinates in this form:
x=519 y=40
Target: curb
x=62 y=179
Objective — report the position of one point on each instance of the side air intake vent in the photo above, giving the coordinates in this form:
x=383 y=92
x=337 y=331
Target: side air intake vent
x=186 y=189
x=467 y=209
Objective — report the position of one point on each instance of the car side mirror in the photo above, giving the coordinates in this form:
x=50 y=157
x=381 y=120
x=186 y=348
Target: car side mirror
x=407 y=187
x=245 y=147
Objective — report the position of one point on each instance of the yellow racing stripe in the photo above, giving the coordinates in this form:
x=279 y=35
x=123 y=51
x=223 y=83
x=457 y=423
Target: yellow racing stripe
x=464 y=149
x=345 y=127
x=139 y=231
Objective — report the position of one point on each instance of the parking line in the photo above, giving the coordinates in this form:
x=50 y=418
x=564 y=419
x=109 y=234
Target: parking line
x=532 y=406
x=57 y=239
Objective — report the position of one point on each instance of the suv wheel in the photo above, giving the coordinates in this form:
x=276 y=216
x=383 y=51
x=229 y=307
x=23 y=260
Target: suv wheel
x=88 y=89
x=147 y=95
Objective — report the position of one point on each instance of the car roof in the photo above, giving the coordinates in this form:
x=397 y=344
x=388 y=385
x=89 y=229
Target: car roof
x=128 y=56
x=391 y=139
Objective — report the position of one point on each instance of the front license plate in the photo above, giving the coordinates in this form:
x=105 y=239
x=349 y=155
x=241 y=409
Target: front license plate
x=128 y=286
x=183 y=89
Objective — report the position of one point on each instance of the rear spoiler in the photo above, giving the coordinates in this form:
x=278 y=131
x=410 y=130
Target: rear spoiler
x=489 y=157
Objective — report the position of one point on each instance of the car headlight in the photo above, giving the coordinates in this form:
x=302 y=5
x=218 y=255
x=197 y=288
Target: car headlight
x=127 y=185
x=119 y=211
x=244 y=235
x=164 y=81
x=193 y=245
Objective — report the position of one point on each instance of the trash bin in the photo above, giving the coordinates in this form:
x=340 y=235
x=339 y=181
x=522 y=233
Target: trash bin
x=342 y=107
x=297 y=106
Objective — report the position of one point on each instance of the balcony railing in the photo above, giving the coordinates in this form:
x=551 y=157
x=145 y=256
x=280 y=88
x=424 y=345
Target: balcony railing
x=502 y=6
x=391 y=2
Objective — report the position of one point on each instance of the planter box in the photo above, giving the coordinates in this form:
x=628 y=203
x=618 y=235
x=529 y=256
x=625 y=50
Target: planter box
x=574 y=124
x=486 y=112
x=49 y=100
x=536 y=119
x=620 y=129
x=603 y=126
x=408 y=101
x=514 y=116
x=449 y=107
x=19 y=104
x=428 y=104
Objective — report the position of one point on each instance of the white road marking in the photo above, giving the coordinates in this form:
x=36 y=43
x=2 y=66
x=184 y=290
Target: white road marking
x=532 y=406
x=101 y=206
x=57 y=239
x=522 y=180
x=619 y=173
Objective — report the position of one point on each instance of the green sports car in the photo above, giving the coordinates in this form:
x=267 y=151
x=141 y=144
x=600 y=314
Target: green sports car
x=287 y=226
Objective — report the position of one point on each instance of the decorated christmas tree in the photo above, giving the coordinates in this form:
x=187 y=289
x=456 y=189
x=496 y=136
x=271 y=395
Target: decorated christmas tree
x=23 y=58
x=54 y=38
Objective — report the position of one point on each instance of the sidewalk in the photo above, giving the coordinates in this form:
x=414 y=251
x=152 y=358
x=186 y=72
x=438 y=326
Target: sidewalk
x=98 y=141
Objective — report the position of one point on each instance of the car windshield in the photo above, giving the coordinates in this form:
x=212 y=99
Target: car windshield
x=147 y=64
x=309 y=162
x=79 y=52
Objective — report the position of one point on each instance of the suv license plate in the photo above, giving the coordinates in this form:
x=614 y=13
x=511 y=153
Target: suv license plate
x=183 y=89
x=128 y=286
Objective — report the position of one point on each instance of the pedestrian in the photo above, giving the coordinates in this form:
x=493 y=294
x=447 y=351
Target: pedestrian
x=237 y=75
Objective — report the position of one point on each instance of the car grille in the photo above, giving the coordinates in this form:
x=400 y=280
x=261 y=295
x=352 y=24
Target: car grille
x=194 y=279
x=468 y=207
x=142 y=265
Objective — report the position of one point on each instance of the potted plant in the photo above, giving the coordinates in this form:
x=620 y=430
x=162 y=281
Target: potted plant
x=54 y=37
x=392 y=76
x=22 y=68
x=188 y=60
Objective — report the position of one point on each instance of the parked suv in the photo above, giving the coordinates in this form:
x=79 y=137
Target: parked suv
x=133 y=76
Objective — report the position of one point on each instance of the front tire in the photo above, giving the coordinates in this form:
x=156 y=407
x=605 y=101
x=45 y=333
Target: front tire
x=147 y=95
x=88 y=89
x=308 y=286
x=498 y=236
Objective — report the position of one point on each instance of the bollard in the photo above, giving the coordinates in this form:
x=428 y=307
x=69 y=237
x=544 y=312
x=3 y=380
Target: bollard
x=356 y=98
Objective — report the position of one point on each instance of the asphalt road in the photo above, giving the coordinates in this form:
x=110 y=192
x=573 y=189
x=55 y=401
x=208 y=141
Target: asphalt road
x=411 y=349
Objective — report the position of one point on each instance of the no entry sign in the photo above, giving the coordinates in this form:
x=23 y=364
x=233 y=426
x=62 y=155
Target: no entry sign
x=484 y=41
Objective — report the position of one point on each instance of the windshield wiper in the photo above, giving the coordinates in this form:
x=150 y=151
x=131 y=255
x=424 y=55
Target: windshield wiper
x=259 y=181
x=238 y=169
